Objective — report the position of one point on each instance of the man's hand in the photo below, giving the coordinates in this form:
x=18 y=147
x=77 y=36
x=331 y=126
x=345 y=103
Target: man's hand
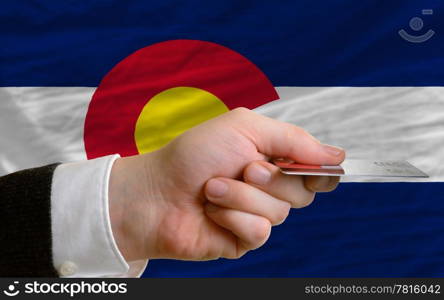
x=210 y=192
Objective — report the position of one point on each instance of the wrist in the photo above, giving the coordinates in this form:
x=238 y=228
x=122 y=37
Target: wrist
x=131 y=207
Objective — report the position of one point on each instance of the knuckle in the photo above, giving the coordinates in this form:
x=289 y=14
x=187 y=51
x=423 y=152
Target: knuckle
x=291 y=134
x=240 y=114
x=295 y=133
x=293 y=130
x=244 y=114
x=241 y=110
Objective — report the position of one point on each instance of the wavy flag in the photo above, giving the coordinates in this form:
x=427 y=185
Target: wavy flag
x=80 y=80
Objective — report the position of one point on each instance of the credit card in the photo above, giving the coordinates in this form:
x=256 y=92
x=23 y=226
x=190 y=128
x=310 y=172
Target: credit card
x=353 y=167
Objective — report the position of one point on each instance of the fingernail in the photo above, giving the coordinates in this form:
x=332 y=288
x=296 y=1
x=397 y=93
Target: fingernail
x=216 y=188
x=259 y=174
x=332 y=150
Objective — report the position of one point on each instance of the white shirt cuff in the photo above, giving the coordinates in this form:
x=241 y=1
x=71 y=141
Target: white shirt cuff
x=83 y=243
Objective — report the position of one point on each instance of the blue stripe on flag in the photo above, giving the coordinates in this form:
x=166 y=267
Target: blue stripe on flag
x=296 y=43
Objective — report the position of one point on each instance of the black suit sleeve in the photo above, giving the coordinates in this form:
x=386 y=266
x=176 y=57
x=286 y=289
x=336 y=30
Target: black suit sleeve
x=25 y=223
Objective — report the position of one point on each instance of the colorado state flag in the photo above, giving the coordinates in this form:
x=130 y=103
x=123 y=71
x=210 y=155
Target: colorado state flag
x=80 y=80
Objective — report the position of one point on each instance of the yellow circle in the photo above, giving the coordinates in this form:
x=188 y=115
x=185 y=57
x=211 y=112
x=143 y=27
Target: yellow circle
x=171 y=112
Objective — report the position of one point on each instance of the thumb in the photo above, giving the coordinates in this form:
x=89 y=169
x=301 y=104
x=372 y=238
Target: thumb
x=279 y=139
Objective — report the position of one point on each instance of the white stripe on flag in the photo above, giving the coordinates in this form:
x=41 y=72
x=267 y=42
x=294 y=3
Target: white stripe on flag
x=40 y=125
